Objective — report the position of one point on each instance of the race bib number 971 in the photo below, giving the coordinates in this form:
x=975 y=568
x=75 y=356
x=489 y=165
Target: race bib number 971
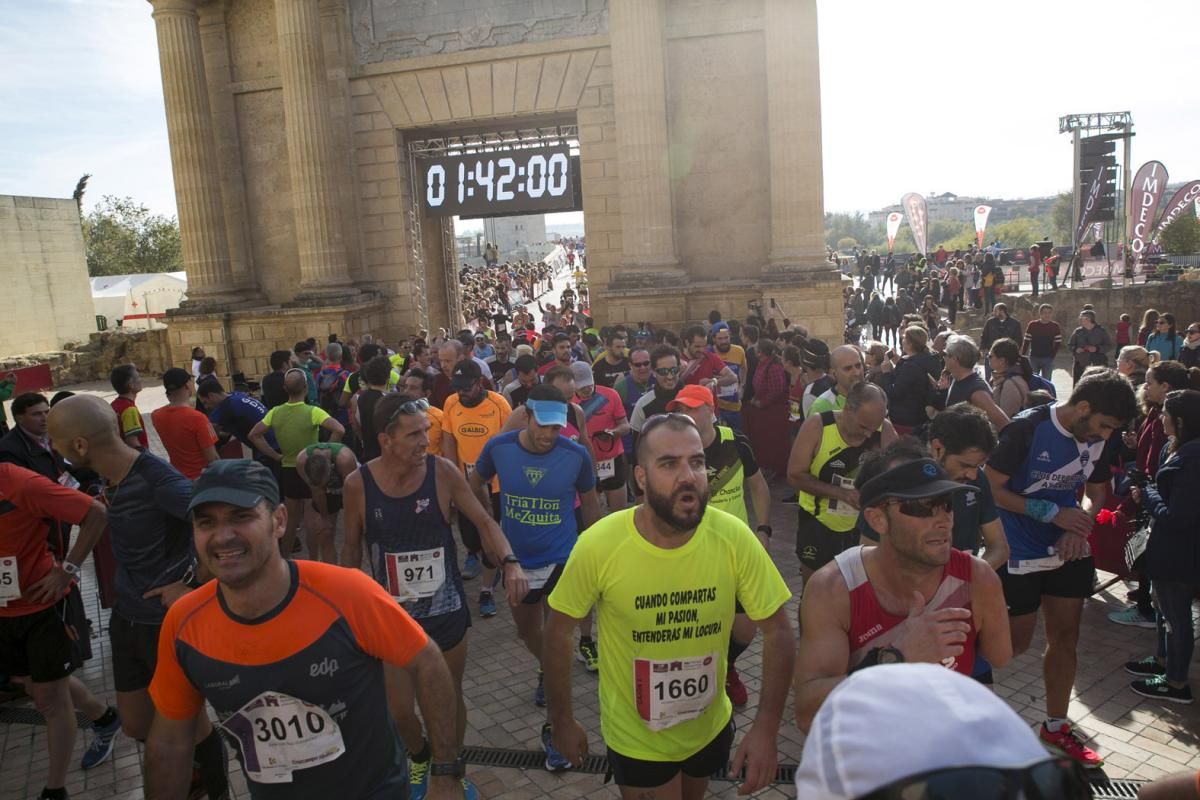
x=415 y=575
x=279 y=734
x=667 y=693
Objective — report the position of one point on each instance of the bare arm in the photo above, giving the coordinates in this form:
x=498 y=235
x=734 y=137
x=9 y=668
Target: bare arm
x=726 y=377
x=336 y=431
x=887 y=433
x=56 y=581
x=353 y=521
x=133 y=441
x=800 y=461
x=434 y=688
x=1180 y=786
x=995 y=544
x=558 y=646
x=985 y=403
x=516 y=420
x=354 y=421
x=169 y=758
x=993 y=637
x=482 y=493
x=581 y=426
x=824 y=651
x=259 y=437
x=758 y=750
x=760 y=501
x=589 y=509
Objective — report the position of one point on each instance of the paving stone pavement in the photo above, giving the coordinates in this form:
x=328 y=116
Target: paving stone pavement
x=1139 y=738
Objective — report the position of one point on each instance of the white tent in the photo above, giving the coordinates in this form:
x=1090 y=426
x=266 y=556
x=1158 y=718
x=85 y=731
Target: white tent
x=138 y=301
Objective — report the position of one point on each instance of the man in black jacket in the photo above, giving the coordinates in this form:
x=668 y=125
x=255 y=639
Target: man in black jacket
x=27 y=444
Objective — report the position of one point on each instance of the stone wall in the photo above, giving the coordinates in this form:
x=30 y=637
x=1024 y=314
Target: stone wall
x=43 y=270
x=94 y=359
x=1180 y=298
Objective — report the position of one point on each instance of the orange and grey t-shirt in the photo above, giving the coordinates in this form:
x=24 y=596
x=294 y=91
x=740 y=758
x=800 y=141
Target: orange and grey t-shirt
x=472 y=426
x=301 y=688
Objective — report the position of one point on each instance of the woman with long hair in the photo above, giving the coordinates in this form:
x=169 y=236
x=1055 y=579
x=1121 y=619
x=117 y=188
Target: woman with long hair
x=1172 y=556
x=1149 y=323
x=1010 y=376
x=1165 y=341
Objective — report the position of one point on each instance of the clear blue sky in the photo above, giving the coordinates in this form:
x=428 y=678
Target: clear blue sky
x=80 y=92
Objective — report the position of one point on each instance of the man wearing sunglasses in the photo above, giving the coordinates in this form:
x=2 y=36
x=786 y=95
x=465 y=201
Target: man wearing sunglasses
x=912 y=598
x=664 y=366
x=960 y=742
x=633 y=385
x=1044 y=456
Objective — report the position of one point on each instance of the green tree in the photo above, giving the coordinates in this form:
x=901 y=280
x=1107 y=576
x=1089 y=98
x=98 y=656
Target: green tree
x=847 y=226
x=1181 y=237
x=1062 y=218
x=1020 y=232
x=122 y=237
x=846 y=243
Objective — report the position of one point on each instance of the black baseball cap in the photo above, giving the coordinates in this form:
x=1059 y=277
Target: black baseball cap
x=465 y=374
x=176 y=378
x=239 y=482
x=911 y=480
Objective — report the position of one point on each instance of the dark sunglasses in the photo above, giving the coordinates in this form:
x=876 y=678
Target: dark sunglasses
x=418 y=406
x=925 y=506
x=1193 y=330
x=641 y=363
x=1058 y=779
x=667 y=371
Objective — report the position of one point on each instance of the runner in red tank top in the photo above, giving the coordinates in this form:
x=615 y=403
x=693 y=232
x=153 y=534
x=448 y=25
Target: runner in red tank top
x=913 y=598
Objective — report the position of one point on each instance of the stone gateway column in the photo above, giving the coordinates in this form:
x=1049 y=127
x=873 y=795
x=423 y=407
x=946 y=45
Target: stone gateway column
x=193 y=154
x=794 y=133
x=322 y=254
x=640 y=103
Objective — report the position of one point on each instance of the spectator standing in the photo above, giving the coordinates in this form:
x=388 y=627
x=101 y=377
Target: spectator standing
x=1089 y=343
x=966 y=385
x=1165 y=341
x=186 y=433
x=1000 y=325
x=127 y=383
x=909 y=380
x=1124 y=332
x=1010 y=376
x=770 y=404
x=1189 y=356
x=1149 y=323
x=1043 y=338
x=271 y=386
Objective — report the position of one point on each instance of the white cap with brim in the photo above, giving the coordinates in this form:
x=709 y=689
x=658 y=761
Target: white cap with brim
x=936 y=719
x=547 y=412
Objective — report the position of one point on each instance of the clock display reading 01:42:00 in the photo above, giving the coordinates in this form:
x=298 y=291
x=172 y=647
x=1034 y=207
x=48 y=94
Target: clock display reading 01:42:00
x=499 y=183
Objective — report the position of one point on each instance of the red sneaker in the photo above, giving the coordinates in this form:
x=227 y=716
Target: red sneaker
x=1067 y=742
x=735 y=688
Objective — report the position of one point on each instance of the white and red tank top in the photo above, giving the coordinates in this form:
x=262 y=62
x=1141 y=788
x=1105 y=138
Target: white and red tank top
x=871 y=626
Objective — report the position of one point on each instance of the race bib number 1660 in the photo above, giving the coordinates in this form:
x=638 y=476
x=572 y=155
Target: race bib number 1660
x=670 y=692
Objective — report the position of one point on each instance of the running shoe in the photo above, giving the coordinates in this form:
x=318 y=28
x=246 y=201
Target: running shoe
x=469 y=792
x=487 y=604
x=1070 y=744
x=735 y=688
x=1148 y=667
x=1158 y=688
x=1131 y=616
x=588 y=654
x=539 y=694
x=418 y=779
x=101 y=746
x=471 y=567
x=554 y=760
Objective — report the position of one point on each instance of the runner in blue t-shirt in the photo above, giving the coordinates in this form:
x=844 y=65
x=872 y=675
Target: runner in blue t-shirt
x=540 y=474
x=1044 y=456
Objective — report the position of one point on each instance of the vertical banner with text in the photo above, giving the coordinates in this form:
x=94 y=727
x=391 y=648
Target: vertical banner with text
x=1149 y=184
x=918 y=218
x=981 y=218
x=893 y=226
x=1089 y=207
x=1186 y=198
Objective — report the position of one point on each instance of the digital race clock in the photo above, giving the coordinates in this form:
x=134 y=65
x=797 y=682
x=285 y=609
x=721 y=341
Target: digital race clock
x=500 y=183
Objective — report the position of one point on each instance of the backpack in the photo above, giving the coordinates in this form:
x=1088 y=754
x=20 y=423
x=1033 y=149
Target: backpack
x=329 y=388
x=1038 y=382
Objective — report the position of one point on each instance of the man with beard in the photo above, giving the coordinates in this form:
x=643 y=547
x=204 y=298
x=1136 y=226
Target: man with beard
x=663 y=577
x=472 y=416
x=846 y=367
x=729 y=396
x=613 y=363
x=1044 y=456
x=664 y=366
x=703 y=366
x=292 y=655
x=912 y=598
x=540 y=474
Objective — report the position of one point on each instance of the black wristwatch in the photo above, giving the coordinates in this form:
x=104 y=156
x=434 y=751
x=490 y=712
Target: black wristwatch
x=449 y=769
x=510 y=559
x=764 y=529
x=879 y=655
x=190 y=578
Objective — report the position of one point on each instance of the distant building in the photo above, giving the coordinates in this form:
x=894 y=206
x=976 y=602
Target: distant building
x=510 y=234
x=43 y=270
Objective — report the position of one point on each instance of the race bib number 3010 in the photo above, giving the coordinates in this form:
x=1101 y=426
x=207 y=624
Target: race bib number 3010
x=670 y=692
x=279 y=734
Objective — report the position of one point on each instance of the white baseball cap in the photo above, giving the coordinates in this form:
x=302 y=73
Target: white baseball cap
x=935 y=719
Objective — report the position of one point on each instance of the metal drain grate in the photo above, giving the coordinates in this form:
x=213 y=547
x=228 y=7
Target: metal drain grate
x=1105 y=789
x=18 y=715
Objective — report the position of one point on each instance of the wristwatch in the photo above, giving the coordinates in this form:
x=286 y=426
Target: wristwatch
x=70 y=569
x=510 y=559
x=190 y=579
x=764 y=529
x=449 y=769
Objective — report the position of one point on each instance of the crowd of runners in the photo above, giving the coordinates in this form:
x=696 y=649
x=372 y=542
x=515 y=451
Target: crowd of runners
x=611 y=486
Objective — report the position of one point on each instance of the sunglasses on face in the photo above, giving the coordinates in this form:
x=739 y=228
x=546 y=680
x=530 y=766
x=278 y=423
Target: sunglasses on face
x=1059 y=779
x=1193 y=330
x=667 y=372
x=925 y=506
x=647 y=363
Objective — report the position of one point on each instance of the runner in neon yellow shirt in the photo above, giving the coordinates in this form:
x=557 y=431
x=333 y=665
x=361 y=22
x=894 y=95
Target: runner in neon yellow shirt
x=664 y=578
